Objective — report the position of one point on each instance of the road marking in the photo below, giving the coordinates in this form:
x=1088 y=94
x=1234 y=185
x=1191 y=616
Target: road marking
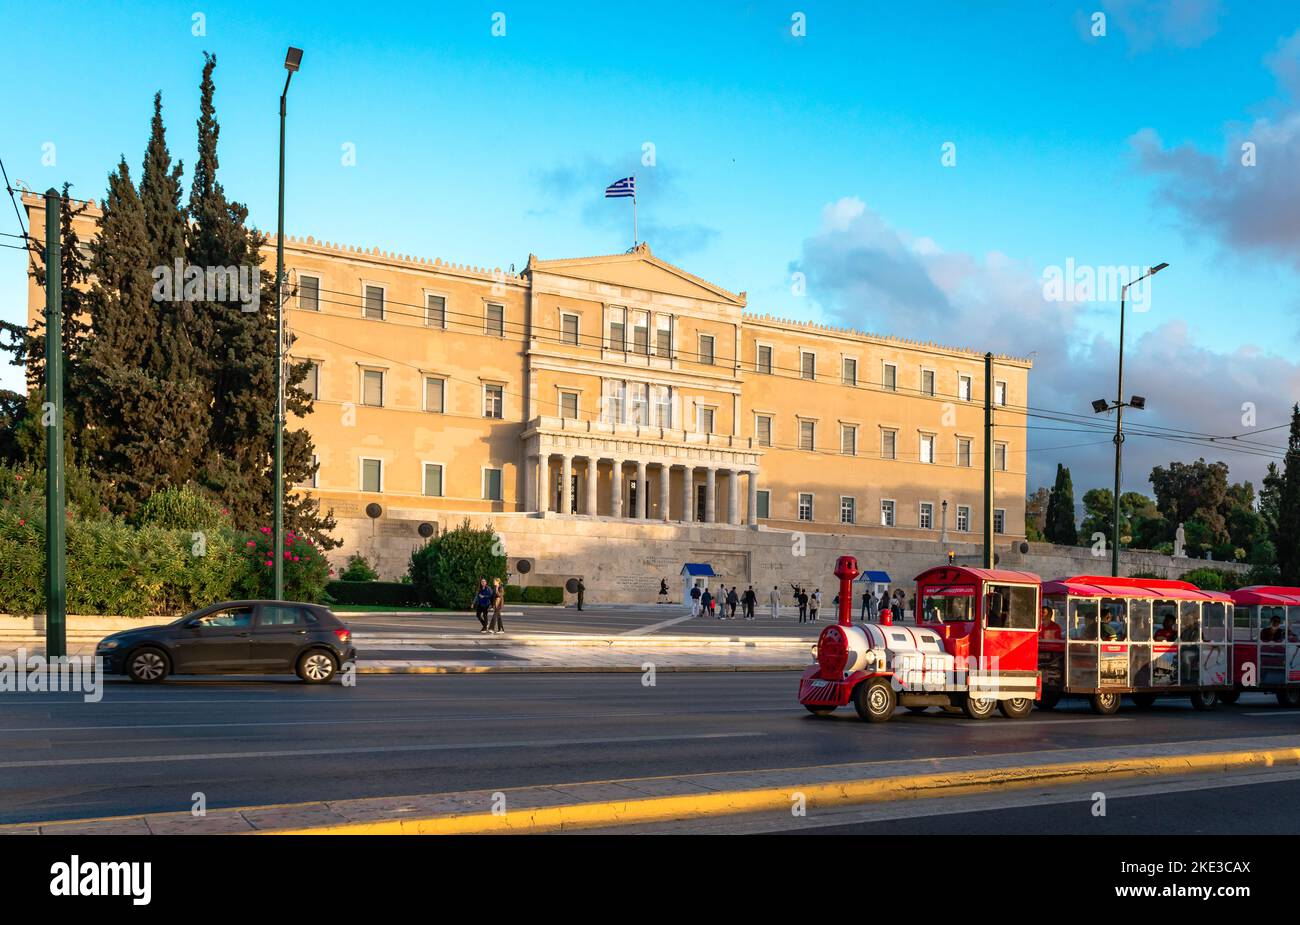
x=385 y=749
x=1274 y=713
x=1044 y=722
x=656 y=627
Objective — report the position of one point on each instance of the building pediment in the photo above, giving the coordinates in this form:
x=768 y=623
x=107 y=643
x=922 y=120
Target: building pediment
x=638 y=269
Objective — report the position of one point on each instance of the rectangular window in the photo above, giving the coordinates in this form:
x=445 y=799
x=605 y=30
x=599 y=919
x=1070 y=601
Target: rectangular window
x=706 y=348
x=569 y=405
x=310 y=481
x=309 y=293
x=963 y=451
x=848 y=510
x=926 y=519
x=434 y=394
x=807 y=435
x=641 y=333
x=807 y=365
x=886 y=513
x=764 y=361
x=435 y=311
x=963 y=518
x=805 y=505
x=764 y=504
x=927 y=382
x=374 y=303
x=494 y=321
x=1000 y=456
x=999 y=393
x=763 y=429
x=569 y=329
x=963 y=387
x=848 y=440
x=494 y=397
x=611 y=400
x=639 y=398
x=927 y=448
x=889 y=444
x=433 y=480
x=617 y=328
x=664 y=336
x=311 y=382
x=999 y=520
x=491 y=484
x=889 y=380
x=704 y=419
x=661 y=397
x=372 y=387
x=849 y=374
x=372 y=475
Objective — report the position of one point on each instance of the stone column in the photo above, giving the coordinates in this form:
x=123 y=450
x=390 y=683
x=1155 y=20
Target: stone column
x=753 y=497
x=710 y=495
x=688 y=494
x=665 y=480
x=616 y=490
x=591 y=508
x=530 y=483
x=641 y=505
x=544 y=482
x=566 y=483
x=733 y=497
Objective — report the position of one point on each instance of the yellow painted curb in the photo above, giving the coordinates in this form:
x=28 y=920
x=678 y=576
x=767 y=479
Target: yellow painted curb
x=821 y=796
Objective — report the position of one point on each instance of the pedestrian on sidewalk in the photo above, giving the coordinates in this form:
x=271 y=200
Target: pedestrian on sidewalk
x=732 y=600
x=750 y=600
x=695 y=600
x=498 y=601
x=774 y=602
x=663 y=591
x=706 y=601
x=482 y=603
x=802 y=600
x=865 y=613
x=582 y=591
x=815 y=604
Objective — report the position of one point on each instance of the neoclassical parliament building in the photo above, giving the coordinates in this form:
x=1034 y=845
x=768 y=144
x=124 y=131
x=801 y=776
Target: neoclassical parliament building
x=596 y=404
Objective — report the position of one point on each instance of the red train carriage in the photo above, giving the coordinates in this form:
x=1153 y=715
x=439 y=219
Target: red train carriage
x=1266 y=642
x=1102 y=637
x=974 y=646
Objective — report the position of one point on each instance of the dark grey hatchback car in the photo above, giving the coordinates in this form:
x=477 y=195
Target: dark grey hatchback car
x=235 y=637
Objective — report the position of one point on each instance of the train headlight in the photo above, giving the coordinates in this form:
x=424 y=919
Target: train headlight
x=869 y=658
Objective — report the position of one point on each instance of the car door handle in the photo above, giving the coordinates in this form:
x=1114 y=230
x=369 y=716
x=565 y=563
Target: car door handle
x=300 y=632
x=242 y=634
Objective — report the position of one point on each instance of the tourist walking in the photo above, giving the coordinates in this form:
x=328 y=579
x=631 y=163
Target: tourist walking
x=706 y=601
x=815 y=604
x=732 y=600
x=774 y=602
x=803 y=605
x=498 y=601
x=663 y=591
x=582 y=593
x=865 y=613
x=482 y=603
x=695 y=600
x=750 y=599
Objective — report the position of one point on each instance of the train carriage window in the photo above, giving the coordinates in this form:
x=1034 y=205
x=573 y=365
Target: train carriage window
x=1245 y=624
x=1272 y=622
x=1083 y=619
x=1139 y=621
x=1052 y=616
x=1214 y=622
x=1114 y=620
x=1164 y=617
x=1189 y=621
x=1010 y=607
x=938 y=607
x=1293 y=624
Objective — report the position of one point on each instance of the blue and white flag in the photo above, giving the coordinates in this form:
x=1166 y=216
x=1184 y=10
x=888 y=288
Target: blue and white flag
x=621 y=189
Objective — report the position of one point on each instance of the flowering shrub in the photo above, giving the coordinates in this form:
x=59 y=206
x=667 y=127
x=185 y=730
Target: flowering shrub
x=306 y=570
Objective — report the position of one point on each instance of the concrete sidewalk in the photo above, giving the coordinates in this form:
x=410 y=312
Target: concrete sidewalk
x=596 y=804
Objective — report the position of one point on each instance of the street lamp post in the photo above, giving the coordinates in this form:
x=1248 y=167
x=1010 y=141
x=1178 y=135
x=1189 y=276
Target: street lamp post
x=1137 y=403
x=292 y=61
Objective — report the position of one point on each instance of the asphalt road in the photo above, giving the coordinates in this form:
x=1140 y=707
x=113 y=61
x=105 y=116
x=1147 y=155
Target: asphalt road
x=246 y=742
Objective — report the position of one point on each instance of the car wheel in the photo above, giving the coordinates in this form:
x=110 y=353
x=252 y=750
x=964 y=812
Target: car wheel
x=1205 y=700
x=1289 y=697
x=1016 y=707
x=978 y=707
x=875 y=700
x=818 y=709
x=1104 y=704
x=317 y=667
x=146 y=666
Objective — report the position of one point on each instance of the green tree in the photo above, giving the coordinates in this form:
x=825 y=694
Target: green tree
x=1286 y=524
x=446 y=570
x=1036 y=514
x=358 y=569
x=1060 y=526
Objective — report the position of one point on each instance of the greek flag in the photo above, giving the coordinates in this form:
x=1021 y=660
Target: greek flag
x=621 y=189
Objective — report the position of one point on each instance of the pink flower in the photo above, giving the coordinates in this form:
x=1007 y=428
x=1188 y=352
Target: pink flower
x=266 y=529
x=22 y=522
x=286 y=553
x=251 y=543
x=295 y=558
x=268 y=564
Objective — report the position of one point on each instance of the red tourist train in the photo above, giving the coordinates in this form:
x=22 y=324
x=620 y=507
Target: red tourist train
x=986 y=639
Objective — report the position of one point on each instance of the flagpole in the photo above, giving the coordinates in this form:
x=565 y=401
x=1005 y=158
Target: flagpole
x=634 y=234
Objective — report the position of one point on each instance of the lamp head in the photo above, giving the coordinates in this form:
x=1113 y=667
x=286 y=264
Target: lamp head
x=1100 y=406
x=293 y=59
x=1137 y=402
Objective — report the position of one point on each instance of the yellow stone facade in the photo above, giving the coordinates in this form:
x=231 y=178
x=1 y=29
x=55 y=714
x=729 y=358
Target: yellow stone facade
x=622 y=386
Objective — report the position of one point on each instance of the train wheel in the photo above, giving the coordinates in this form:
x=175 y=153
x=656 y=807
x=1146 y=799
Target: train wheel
x=1205 y=700
x=1229 y=697
x=1143 y=701
x=818 y=710
x=1048 y=701
x=875 y=700
x=978 y=707
x=1289 y=697
x=1016 y=707
x=1104 y=704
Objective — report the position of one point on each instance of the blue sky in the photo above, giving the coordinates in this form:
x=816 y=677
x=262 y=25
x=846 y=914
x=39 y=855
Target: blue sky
x=774 y=154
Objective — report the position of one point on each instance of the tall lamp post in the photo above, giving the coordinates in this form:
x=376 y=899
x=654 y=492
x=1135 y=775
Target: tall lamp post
x=292 y=61
x=1137 y=403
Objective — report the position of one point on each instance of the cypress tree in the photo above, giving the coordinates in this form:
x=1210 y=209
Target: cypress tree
x=1061 y=527
x=1286 y=528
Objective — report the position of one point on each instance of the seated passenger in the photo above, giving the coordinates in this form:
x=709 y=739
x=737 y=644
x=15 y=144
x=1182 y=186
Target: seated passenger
x=1273 y=632
x=1168 y=632
x=1088 y=630
x=1049 y=628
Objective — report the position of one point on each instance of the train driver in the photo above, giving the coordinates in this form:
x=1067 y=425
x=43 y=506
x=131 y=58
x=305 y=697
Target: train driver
x=1049 y=628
